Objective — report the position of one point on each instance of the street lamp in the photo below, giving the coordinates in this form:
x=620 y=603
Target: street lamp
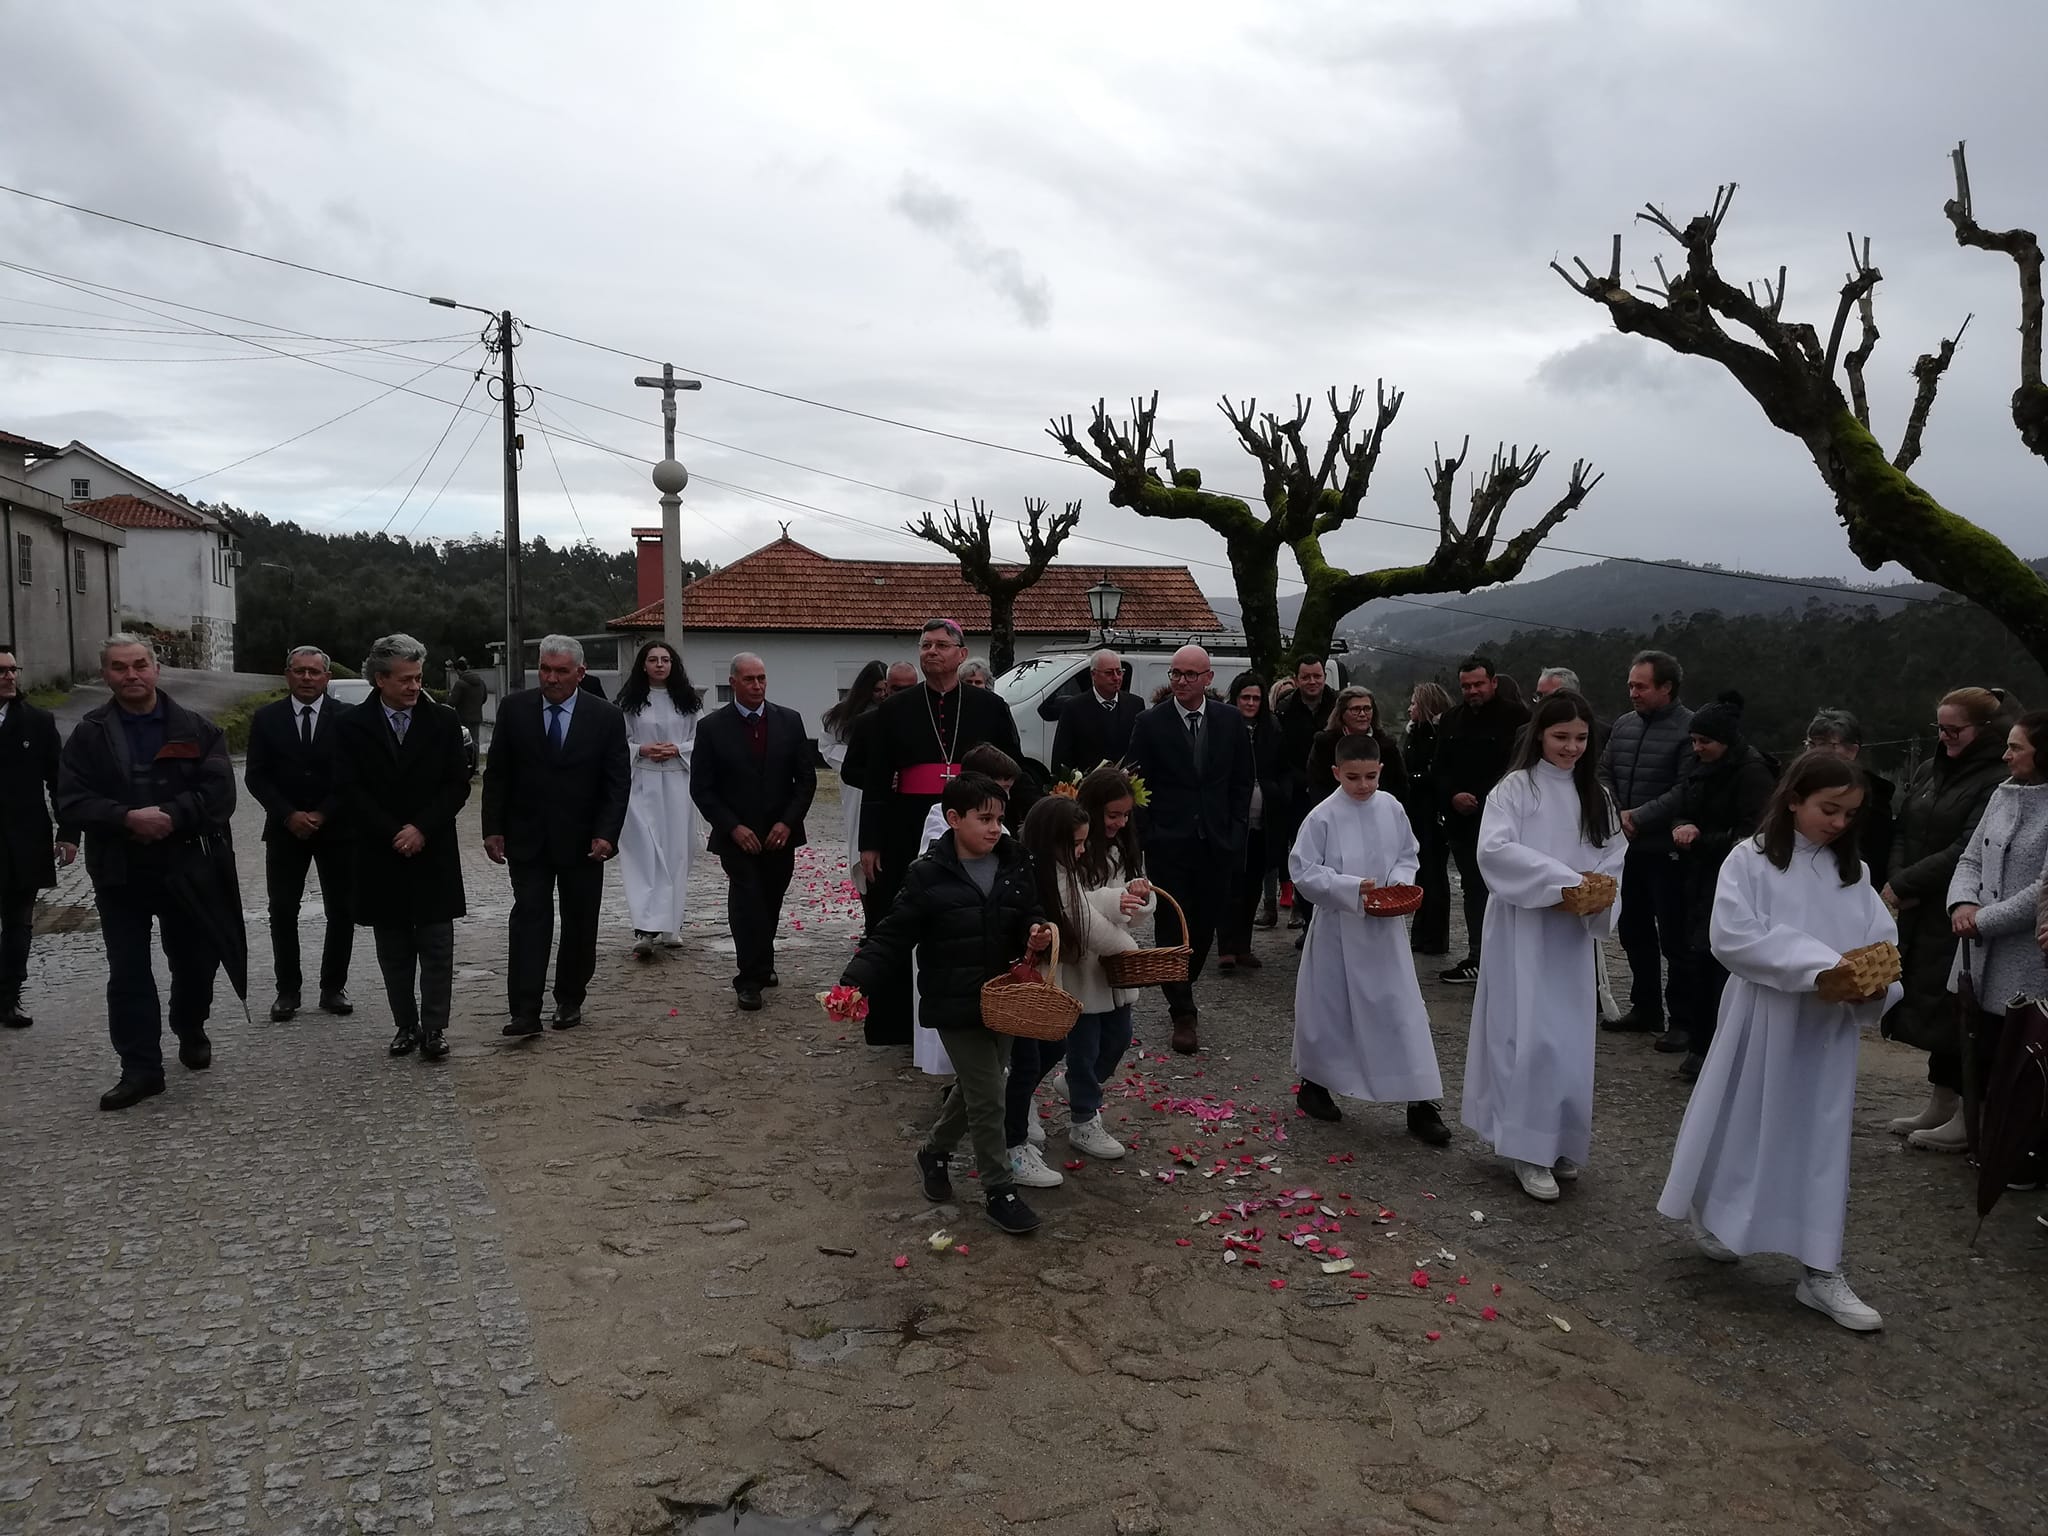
x=503 y=342
x=1105 y=602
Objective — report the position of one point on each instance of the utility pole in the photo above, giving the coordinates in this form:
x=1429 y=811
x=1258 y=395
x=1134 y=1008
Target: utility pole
x=501 y=337
x=669 y=478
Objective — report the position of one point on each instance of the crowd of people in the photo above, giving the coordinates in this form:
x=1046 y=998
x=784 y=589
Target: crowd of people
x=1732 y=883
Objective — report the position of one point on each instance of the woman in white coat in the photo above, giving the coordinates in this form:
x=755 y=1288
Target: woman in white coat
x=1762 y=1160
x=661 y=823
x=1529 y=1062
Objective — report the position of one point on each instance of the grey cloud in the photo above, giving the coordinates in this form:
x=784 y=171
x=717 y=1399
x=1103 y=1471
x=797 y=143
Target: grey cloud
x=1612 y=365
x=939 y=213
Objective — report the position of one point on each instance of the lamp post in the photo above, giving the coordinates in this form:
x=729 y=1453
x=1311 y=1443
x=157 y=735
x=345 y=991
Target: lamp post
x=502 y=339
x=669 y=478
x=1105 y=602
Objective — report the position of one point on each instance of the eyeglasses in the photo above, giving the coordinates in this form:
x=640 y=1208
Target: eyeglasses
x=8 y=671
x=1949 y=732
x=1178 y=676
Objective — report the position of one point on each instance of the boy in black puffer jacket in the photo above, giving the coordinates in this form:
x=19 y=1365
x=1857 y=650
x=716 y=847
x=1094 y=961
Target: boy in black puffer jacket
x=970 y=908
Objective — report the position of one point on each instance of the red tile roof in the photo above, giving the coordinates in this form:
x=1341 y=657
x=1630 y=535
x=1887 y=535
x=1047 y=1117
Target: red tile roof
x=784 y=586
x=134 y=512
x=28 y=445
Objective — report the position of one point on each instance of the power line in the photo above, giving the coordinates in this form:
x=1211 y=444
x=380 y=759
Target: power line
x=474 y=439
x=460 y=405
x=215 y=357
x=550 y=443
x=170 y=330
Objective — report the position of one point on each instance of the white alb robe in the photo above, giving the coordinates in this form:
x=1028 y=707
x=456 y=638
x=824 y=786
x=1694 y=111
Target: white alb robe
x=834 y=753
x=660 y=835
x=1360 y=1028
x=928 y=1046
x=1529 y=1061
x=1763 y=1154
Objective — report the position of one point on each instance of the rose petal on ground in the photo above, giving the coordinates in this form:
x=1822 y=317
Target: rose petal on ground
x=1488 y=1313
x=901 y=1261
x=1562 y=1325
x=1432 y=1335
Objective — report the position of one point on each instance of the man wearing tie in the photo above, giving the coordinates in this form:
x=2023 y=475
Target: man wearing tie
x=290 y=772
x=1196 y=759
x=1095 y=727
x=556 y=782
x=752 y=779
x=29 y=855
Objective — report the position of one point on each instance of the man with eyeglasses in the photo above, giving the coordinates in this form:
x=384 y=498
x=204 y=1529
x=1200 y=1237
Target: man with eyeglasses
x=29 y=855
x=1196 y=759
x=914 y=741
x=1095 y=726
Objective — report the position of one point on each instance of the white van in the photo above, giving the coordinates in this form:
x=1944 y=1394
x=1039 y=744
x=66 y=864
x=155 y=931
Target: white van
x=1038 y=687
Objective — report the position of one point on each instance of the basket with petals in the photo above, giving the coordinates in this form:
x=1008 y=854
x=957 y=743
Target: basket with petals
x=1033 y=1008
x=1392 y=900
x=1863 y=974
x=1151 y=967
x=1594 y=893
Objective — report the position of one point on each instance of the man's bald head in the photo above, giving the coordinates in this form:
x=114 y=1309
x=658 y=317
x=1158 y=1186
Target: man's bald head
x=1189 y=676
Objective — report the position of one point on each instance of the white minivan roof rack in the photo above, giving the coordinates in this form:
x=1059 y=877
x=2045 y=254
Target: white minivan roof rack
x=1228 y=641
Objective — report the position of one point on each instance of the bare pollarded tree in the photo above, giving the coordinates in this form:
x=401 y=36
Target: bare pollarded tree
x=968 y=538
x=1309 y=493
x=1799 y=379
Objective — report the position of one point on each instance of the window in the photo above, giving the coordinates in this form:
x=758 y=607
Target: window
x=81 y=490
x=78 y=570
x=724 y=692
x=24 y=560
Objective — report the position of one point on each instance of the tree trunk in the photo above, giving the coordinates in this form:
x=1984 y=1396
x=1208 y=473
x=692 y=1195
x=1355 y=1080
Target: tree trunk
x=1255 y=569
x=1002 y=627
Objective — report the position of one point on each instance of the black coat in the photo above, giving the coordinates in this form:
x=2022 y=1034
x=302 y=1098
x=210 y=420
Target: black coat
x=29 y=755
x=1726 y=801
x=1322 y=767
x=732 y=788
x=285 y=775
x=900 y=733
x=1473 y=746
x=548 y=805
x=1299 y=725
x=191 y=779
x=1088 y=734
x=962 y=937
x=384 y=786
x=1875 y=828
x=1190 y=811
x=1268 y=772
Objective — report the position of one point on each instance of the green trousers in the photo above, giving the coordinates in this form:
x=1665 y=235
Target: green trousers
x=974 y=1104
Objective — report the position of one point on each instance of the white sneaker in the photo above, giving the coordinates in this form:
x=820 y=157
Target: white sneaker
x=1953 y=1136
x=1711 y=1245
x=1089 y=1137
x=1825 y=1290
x=1941 y=1108
x=1029 y=1169
x=1538 y=1182
x=1059 y=1086
x=1565 y=1170
x=1034 y=1129
x=672 y=941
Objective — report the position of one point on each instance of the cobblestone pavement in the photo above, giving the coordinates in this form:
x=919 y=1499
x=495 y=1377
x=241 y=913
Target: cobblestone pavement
x=700 y=1212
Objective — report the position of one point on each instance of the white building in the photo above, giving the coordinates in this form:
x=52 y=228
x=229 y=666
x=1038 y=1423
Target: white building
x=816 y=621
x=61 y=571
x=178 y=568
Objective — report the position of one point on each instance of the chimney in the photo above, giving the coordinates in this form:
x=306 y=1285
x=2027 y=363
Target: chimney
x=647 y=574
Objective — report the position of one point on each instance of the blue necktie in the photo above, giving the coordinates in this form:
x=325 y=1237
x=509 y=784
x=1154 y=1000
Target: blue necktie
x=555 y=726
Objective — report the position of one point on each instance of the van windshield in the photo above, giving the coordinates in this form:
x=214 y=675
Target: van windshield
x=1023 y=681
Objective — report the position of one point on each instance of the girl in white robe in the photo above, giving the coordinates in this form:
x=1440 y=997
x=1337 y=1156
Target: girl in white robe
x=1360 y=1028
x=1529 y=1061
x=660 y=834
x=1762 y=1160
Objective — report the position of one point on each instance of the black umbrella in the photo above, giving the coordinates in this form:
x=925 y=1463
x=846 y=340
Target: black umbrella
x=206 y=881
x=1970 y=1022
x=2015 y=1103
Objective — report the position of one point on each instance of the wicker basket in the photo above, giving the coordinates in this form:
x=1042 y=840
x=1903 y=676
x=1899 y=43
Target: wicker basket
x=1392 y=900
x=1594 y=893
x=1150 y=967
x=1035 y=1010
x=1863 y=974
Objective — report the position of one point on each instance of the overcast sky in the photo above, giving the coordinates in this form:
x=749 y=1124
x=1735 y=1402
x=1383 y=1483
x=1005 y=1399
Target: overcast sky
x=973 y=220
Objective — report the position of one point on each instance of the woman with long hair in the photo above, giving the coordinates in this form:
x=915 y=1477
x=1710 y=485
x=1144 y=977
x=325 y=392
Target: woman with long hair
x=1936 y=815
x=1430 y=933
x=660 y=835
x=1357 y=712
x=870 y=687
x=1529 y=1063
x=1248 y=880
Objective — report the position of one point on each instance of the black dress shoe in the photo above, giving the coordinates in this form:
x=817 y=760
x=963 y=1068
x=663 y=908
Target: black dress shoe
x=772 y=981
x=933 y=1177
x=285 y=1008
x=1634 y=1022
x=13 y=1018
x=1689 y=1069
x=131 y=1090
x=1673 y=1042
x=1315 y=1101
x=433 y=1045
x=530 y=1026
x=1426 y=1124
x=567 y=1018
x=337 y=1003
x=750 y=999
x=403 y=1042
x=196 y=1051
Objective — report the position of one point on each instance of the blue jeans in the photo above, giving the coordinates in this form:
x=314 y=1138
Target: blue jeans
x=1094 y=1048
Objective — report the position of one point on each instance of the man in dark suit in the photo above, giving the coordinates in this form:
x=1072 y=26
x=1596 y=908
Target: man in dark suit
x=752 y=779
x=555 y=789
x=1095 y=727
x=1195 y=757
x=290 y=771
x=401 y=774
x=29 y=855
